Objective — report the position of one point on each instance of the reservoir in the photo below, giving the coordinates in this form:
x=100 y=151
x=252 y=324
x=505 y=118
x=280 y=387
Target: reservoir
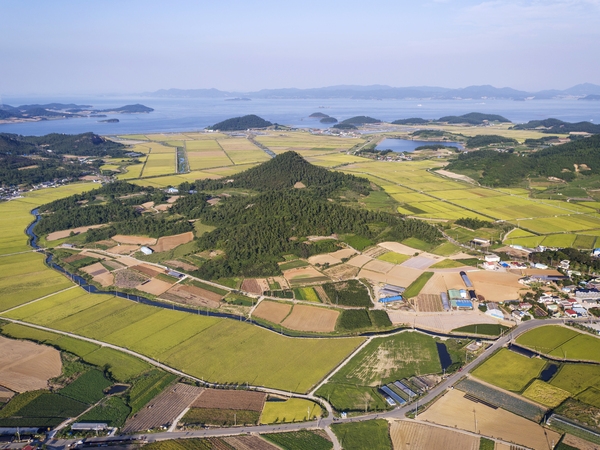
x=404 y=145
x=445 y=359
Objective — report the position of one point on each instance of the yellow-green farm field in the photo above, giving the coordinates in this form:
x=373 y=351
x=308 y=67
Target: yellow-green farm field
x=292 y=410
x=509 y=370
x=159 y=164
x=224 y=350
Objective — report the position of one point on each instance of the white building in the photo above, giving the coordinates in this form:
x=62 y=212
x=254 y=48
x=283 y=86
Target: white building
x=146 y=250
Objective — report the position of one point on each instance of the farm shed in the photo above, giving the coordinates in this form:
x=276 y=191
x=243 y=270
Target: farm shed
x=494 y=311
x=492 y=257
x=457 y=294
x=462 y=304
x=392 y=288
x=388 y=392
x=395 y=298
x=92 y=426
x=146 y=250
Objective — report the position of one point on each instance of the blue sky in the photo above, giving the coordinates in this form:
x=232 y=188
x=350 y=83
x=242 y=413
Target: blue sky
x=126 y=46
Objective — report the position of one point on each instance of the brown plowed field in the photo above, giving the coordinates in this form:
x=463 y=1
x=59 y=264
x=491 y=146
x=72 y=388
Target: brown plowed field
x=127 y=261
x=123 y=249
x=359 y=260
x=167 y=243
x=407 y=435
x=192 y=295
x=127 y=278
x=154 y=286
x=341 y=272
x=249 y=443
x=311 y=318
x=75 y=257
x=379 y=266
x=105 y=279
x=343 y=253
x=181 y=265
x=25 y=366
x=146 y=269
x=272 y=311
x=304 y=275
x=579 y=443
x=252 y=286
x=230 y=399
x=114 y=265
x=497 y=286
x=163 y=207
x=94 y=269
x=324 y=259
x=164 y=408
x=454 y=410
x=428 y=303
x=66 y=233
x=139 y=240
x=5 y=395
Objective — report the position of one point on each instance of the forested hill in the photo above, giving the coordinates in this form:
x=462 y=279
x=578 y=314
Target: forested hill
x=85 y=144
x=241 y=123
x=283 y=172
x=558 y=126
x=560 y=161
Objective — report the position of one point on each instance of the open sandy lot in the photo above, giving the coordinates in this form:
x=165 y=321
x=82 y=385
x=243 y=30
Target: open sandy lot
x=407 y=435
x=124 y=249
x=139 y=240
x=154 y=286
x=496 y=286
x=359 y=260
x=444 y=321
x=167 y=243
x=66 y=233
x=272 y=311
x=25 y=366
x=311 y=318
x=454 y=410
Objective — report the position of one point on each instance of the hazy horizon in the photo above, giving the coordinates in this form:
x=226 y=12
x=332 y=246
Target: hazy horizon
x=70 y=48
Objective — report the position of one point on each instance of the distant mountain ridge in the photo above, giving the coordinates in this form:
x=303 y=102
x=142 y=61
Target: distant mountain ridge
x=383 y=92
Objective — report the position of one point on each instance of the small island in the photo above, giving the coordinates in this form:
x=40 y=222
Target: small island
x=241 y=123
x=109 y=121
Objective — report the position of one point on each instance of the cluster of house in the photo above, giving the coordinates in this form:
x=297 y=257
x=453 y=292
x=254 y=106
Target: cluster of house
x=390 y=293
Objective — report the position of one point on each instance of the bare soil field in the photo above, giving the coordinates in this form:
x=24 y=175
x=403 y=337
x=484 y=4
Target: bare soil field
x=302 y=275
x=66 y=233
x=263 y=284
x=127 y=261
x=282 y=282
x=374 y=252
x=407 y=435
x=501 y=446
x=114 y=265
x=105 y=279
x=379 y=266
x=173 y=199
x=420 y=262
x=398 y=248
x=193 y=295
x=230 y=399
x=444 y=321
x=341 y=272
x=164 y=408
x=147 y=269
x=249 y=442
x=456 y=176
x=497 y=286
x=181 y=265
x=139 y=240
x=398 y=276
x=25 y=366
x=428 y=303
x=272 y=311
x=5 y=395
x=460 y=256
x=94 y=269
x=251 y=285
x=167 y=243
x=442 y=281
x=579 y=443
x=359 y=260
x=147 y=205
x=324 y=259
x=75 y=257
x=128 y=278
x=311 y=318
x=163 y=207
x=541 y=272
x=454 y=410
x=343 y=253
x=154 y=286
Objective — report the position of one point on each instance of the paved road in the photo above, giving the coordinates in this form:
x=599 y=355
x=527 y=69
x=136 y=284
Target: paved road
x=325 y=422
